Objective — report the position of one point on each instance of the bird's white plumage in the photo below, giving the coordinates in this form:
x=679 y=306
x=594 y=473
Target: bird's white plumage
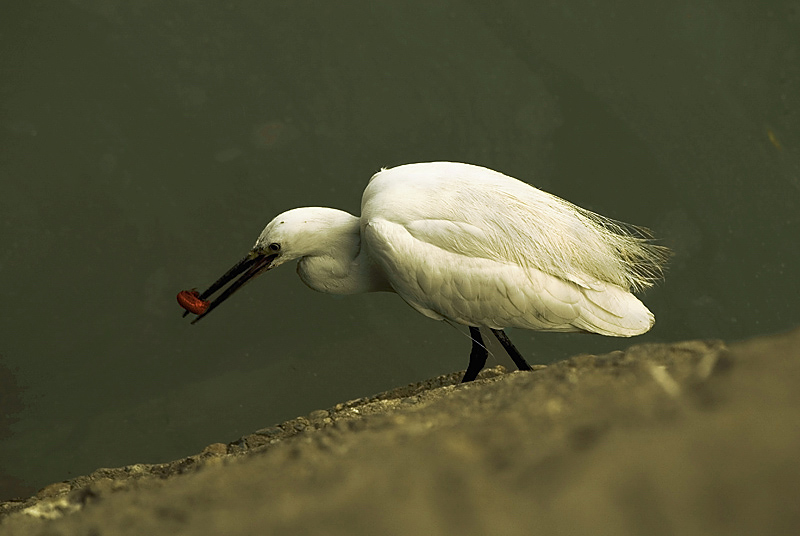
x=476 y=247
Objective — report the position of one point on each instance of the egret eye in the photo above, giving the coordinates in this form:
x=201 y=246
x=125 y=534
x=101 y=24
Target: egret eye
x=274 y=247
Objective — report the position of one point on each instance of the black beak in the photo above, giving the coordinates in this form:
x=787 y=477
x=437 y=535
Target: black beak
x=249 y=267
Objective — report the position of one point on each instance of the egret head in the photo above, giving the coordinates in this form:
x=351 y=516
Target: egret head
x=294 y=234
x=301 y=232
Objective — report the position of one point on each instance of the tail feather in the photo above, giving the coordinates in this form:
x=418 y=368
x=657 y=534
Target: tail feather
x=614 y=312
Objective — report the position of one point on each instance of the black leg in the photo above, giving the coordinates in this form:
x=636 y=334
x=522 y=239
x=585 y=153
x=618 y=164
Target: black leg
x=519 y=361
x=477 y=357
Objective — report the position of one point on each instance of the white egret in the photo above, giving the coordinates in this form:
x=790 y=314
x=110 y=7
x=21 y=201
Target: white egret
x=469 y=245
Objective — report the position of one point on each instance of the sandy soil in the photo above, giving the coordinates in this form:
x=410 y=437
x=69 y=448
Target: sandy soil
x=688 y=438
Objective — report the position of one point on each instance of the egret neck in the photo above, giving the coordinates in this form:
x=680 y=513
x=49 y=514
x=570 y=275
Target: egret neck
x=333 y=258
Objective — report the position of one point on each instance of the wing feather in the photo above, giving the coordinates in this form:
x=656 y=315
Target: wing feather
x=442 y=283
x=480 y=213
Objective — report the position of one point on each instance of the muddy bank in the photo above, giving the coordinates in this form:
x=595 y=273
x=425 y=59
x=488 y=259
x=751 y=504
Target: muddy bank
x=697 y=437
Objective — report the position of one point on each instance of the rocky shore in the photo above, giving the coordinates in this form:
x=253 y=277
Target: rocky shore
x=697 y=437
